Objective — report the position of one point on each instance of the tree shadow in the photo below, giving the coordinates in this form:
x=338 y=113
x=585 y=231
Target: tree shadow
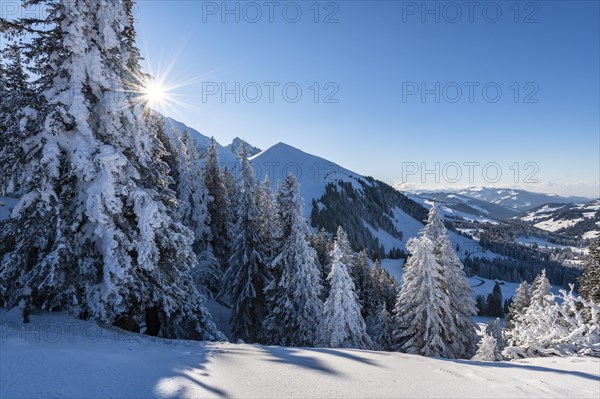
x=525 y=367
x=195 y=373
x=342 y=352
x=292 y=356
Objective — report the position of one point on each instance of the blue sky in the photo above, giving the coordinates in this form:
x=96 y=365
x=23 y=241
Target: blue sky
x=375 y=58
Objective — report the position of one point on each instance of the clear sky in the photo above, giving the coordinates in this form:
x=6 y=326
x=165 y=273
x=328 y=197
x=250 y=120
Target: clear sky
x=378 y=67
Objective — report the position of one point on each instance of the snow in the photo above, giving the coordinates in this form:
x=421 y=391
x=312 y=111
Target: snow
x=85 y=360
x=541 y=243
x=555 y=225
x=313 y=172
x=6 y=206
x=590 y=235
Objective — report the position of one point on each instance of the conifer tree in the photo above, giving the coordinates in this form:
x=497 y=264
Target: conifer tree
x=295 y=307
x=423 y=306
x=381 y=329
x=247 y=275
x=494 y=302
x=487 y=348
x=342 y=324
x=520 y=303
x=461 y=326
x=589 y=283
x=218 y=205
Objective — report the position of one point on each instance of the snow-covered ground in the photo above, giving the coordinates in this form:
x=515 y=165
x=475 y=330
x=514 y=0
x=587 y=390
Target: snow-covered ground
x=58 y=356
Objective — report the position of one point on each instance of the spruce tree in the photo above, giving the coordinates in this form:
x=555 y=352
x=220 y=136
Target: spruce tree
x=461 y=326
x=295 y=307
x=541 y=290
x=589 y=283
x=96 y=214
x=423 y=306
x=247 y=275
x=218 y=204
x=494 y=302
x=380 y=329
x=18 y=103
x=487 y=348
x=342 y=325
x=521 y=301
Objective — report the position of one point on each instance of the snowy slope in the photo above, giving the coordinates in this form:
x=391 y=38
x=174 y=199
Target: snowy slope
x=58 y=356
x=581 y=220
x=313 y=172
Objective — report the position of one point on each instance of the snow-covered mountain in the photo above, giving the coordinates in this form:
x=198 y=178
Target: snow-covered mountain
x=472 y=206
x=236 y=146
x=575 y=220
x=517 y=199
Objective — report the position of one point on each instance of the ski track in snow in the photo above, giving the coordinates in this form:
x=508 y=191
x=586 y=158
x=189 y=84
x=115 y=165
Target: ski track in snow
x=85 y=361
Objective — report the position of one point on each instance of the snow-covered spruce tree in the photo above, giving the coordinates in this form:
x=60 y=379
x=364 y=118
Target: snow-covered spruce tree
x=386 y=287
x=95 y=231
x=460 y=327
x=295 y=307
x=541 y=291
x=380 y=329
x=519 y=305
x=17 y=102
x=323 y=245
x=487 y=348
x=245 y=279
x=589 y=283
x=193 y=201
x=269 y=225
x=557 y=328
x=423 y=308
x=493 y=328
x=218 y=205
x=360 y=271
x=342 y=325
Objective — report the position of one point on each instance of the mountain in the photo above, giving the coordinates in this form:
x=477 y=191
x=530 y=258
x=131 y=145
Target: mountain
x=236 y=146
x=480 y=209
x=574 y=220
x=520 y=200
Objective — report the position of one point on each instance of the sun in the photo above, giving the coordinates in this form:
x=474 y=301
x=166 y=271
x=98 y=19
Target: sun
x=155 y=93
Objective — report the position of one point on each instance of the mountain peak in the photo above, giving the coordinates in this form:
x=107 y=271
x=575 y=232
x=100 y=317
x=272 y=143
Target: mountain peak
x=236 y=146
